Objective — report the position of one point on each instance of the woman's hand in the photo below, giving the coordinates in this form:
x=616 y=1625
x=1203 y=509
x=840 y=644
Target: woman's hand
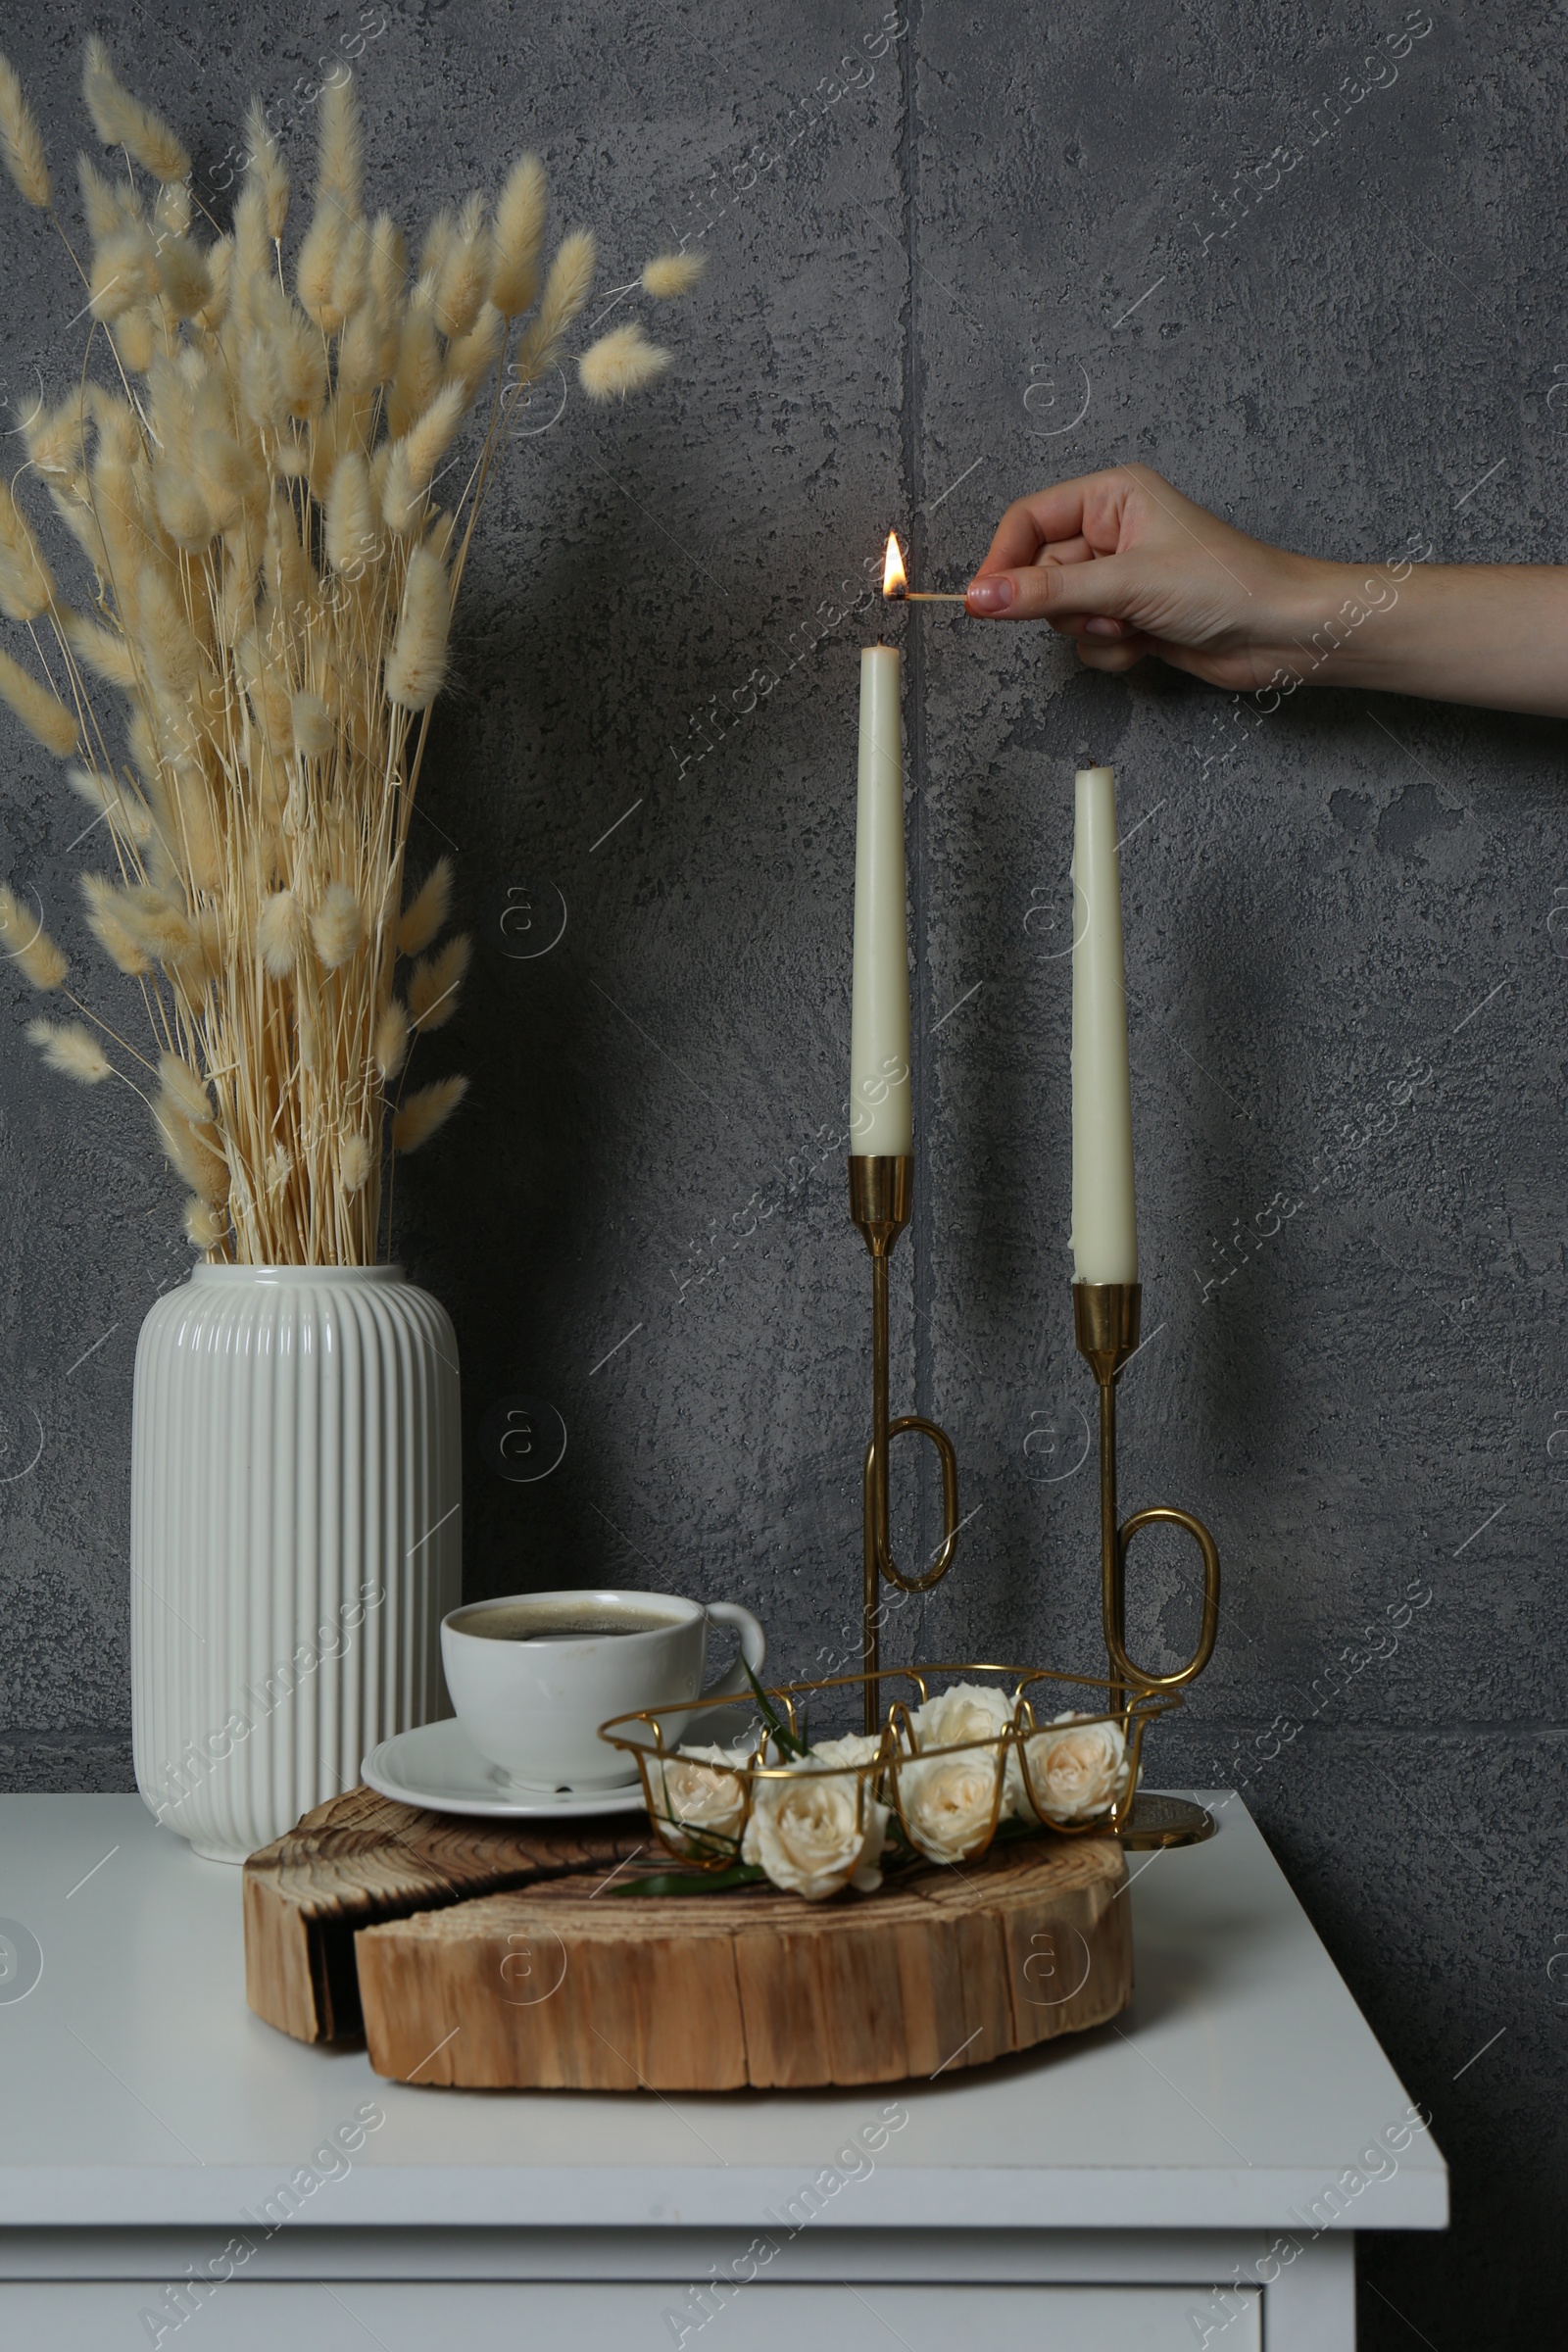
x=1128 y=566
x=1125 y=564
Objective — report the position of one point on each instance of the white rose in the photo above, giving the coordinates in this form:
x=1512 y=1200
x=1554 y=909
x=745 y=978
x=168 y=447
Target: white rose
x=814 y=1833
x=1077 y=1773
x=855 y=1747
x=949 y=1803
x=968 y=1711
x=700 y=1808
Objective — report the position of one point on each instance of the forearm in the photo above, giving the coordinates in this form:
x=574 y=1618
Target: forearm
x=1489 y=633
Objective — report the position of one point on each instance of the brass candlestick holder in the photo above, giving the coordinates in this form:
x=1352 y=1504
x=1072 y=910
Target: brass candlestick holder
x=1106 y=1324
x=881 y=1192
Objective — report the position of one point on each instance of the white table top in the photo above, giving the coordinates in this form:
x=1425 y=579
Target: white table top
x=137 y=2088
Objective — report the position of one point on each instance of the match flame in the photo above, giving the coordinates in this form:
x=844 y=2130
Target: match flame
x=894 y=580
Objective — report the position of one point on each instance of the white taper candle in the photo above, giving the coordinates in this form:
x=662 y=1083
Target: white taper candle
x=1104 y=1217
x=881 y=1120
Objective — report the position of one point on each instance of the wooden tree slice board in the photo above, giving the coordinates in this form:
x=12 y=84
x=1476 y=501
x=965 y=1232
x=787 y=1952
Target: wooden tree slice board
x=557 y=1989
x=360 y=1858
x=470 y=1955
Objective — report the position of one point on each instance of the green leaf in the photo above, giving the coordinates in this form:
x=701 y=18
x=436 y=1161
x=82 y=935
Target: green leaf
x=693 y=1881
x=704 y=1845
x=1017 y=1828
x=778 y=1729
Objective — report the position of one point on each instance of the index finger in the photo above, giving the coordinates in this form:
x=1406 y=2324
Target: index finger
x=1047 y=520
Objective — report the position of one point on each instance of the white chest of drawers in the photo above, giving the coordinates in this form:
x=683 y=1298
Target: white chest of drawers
x=174 y=2173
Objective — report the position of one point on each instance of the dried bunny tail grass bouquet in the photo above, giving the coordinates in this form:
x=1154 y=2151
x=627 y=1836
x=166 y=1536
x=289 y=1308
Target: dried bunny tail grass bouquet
x=273 y=589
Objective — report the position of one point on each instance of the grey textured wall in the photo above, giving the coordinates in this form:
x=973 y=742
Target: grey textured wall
x=999 y=244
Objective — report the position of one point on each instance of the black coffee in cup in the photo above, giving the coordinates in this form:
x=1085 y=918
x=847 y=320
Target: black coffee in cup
x=535 y=1717
x=551 y=1621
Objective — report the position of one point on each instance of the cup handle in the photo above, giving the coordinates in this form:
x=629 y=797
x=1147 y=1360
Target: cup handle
x=754 y=1648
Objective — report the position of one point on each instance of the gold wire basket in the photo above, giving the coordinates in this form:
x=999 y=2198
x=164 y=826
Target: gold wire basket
x=700 y=1806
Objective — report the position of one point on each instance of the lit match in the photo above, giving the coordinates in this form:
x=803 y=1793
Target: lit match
x=895 y=588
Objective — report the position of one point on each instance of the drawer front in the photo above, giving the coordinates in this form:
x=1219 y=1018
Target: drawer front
x=631 y=2316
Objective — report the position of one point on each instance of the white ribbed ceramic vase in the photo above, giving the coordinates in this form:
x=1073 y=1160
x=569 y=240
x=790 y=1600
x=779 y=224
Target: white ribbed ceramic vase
x=296 y=1539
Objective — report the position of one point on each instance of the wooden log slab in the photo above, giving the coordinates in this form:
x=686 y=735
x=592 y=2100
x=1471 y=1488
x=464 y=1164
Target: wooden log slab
x=360 y=1858
x=563 y=1987
x=470 y=1953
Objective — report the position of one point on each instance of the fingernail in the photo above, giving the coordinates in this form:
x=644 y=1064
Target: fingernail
x=1100 y=627
x=992 y=595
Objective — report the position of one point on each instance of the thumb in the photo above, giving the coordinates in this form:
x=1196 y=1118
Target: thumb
x=1052 y=591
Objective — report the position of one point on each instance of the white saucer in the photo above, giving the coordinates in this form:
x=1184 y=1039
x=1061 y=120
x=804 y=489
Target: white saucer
x=439 y=1766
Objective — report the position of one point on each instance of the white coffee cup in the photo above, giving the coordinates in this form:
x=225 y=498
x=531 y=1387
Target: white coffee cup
x=534 y=1675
